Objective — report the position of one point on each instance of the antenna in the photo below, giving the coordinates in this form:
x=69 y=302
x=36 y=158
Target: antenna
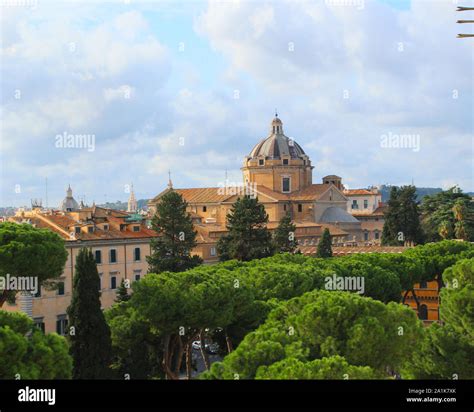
x=46 y=191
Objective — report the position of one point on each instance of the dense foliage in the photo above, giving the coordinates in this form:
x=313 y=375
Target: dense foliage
x=284 y=237
x=231 y=300
x=350 y=335
x=27 y=353
x=28 y=251
x=447 y=350
x=402 y=220
x=448 y=215
x=248 y=237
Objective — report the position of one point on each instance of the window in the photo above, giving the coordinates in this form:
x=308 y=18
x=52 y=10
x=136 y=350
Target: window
x=77 y=229
x=61 y=288
x=137 y=276
x=355 y=205
x=38 y=293
x=285 y=184
x=123 y=227
x=98 y=257
x=113 y=282
x=90 y=229
x=300 y=207
x=423 y=285
x=136 y=228
x=423 y=312
x=261 y=162
x=284 y=208
x=204 y=208
x=213 y=251
x=39 y=323
x=113 y=256
x=366 y=235
x=100 y=282
x=377 y=235
x=136 y=254
x=106 y=227
x=61 y=325
x=285 y=161
x=366 y=203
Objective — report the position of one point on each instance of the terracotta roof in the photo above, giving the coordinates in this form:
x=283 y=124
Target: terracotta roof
x=200 y=194
x=270 y=193
x=359 y=192
x=64 y=224
x=312 y=192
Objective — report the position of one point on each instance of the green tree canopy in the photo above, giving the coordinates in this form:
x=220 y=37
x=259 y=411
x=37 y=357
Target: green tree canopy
x=248 y=237
x=90 y=336
x=447 y=215
x=332 y=367
x=402 y=220
x=171 y=251
x=322 y=324
x=447 y=350
x=284 y=236
x=27 y=353
x=28 y=251
x=122 y=293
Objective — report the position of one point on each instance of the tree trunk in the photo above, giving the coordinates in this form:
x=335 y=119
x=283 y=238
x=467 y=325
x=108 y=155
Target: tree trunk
x=189 y=359
x=416 y=301
x=180 y=355
x=229 y=344
x=203 y=350
x=405 y=296
x=166 y=358
x=439 y=279
x=3 y=297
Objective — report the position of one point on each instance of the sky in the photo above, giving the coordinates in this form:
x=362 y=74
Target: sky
x=143 y=88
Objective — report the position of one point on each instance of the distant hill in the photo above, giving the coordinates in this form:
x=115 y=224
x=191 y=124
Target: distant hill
x=118 y=205
x=421 y=192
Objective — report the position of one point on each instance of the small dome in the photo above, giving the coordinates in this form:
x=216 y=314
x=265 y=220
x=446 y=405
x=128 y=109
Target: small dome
x=277 y=144
x=335 y=214
x=69 y=204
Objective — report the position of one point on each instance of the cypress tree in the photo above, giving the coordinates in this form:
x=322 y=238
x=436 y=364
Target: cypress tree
x=324 y=245
x=248 y=237
x=390 y=227
x=172 y=249
x=90 y=342
x=284 y=237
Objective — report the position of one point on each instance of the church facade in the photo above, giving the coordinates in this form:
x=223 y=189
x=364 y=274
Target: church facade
x=280 y=174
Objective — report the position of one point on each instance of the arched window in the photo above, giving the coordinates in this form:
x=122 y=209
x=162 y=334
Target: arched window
x=423 y=312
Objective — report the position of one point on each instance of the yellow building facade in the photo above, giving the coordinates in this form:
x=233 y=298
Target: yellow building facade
x=119 y=241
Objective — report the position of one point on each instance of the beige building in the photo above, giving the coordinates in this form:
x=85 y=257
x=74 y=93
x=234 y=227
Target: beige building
x=367 y=207
x=119 y=241
x=279 y=173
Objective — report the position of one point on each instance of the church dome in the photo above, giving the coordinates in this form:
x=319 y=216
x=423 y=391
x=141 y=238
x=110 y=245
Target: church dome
x=277 y=144
x=69 y=204
x=335 y=214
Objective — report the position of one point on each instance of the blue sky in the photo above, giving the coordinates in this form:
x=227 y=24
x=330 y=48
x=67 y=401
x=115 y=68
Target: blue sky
x=192 y=86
